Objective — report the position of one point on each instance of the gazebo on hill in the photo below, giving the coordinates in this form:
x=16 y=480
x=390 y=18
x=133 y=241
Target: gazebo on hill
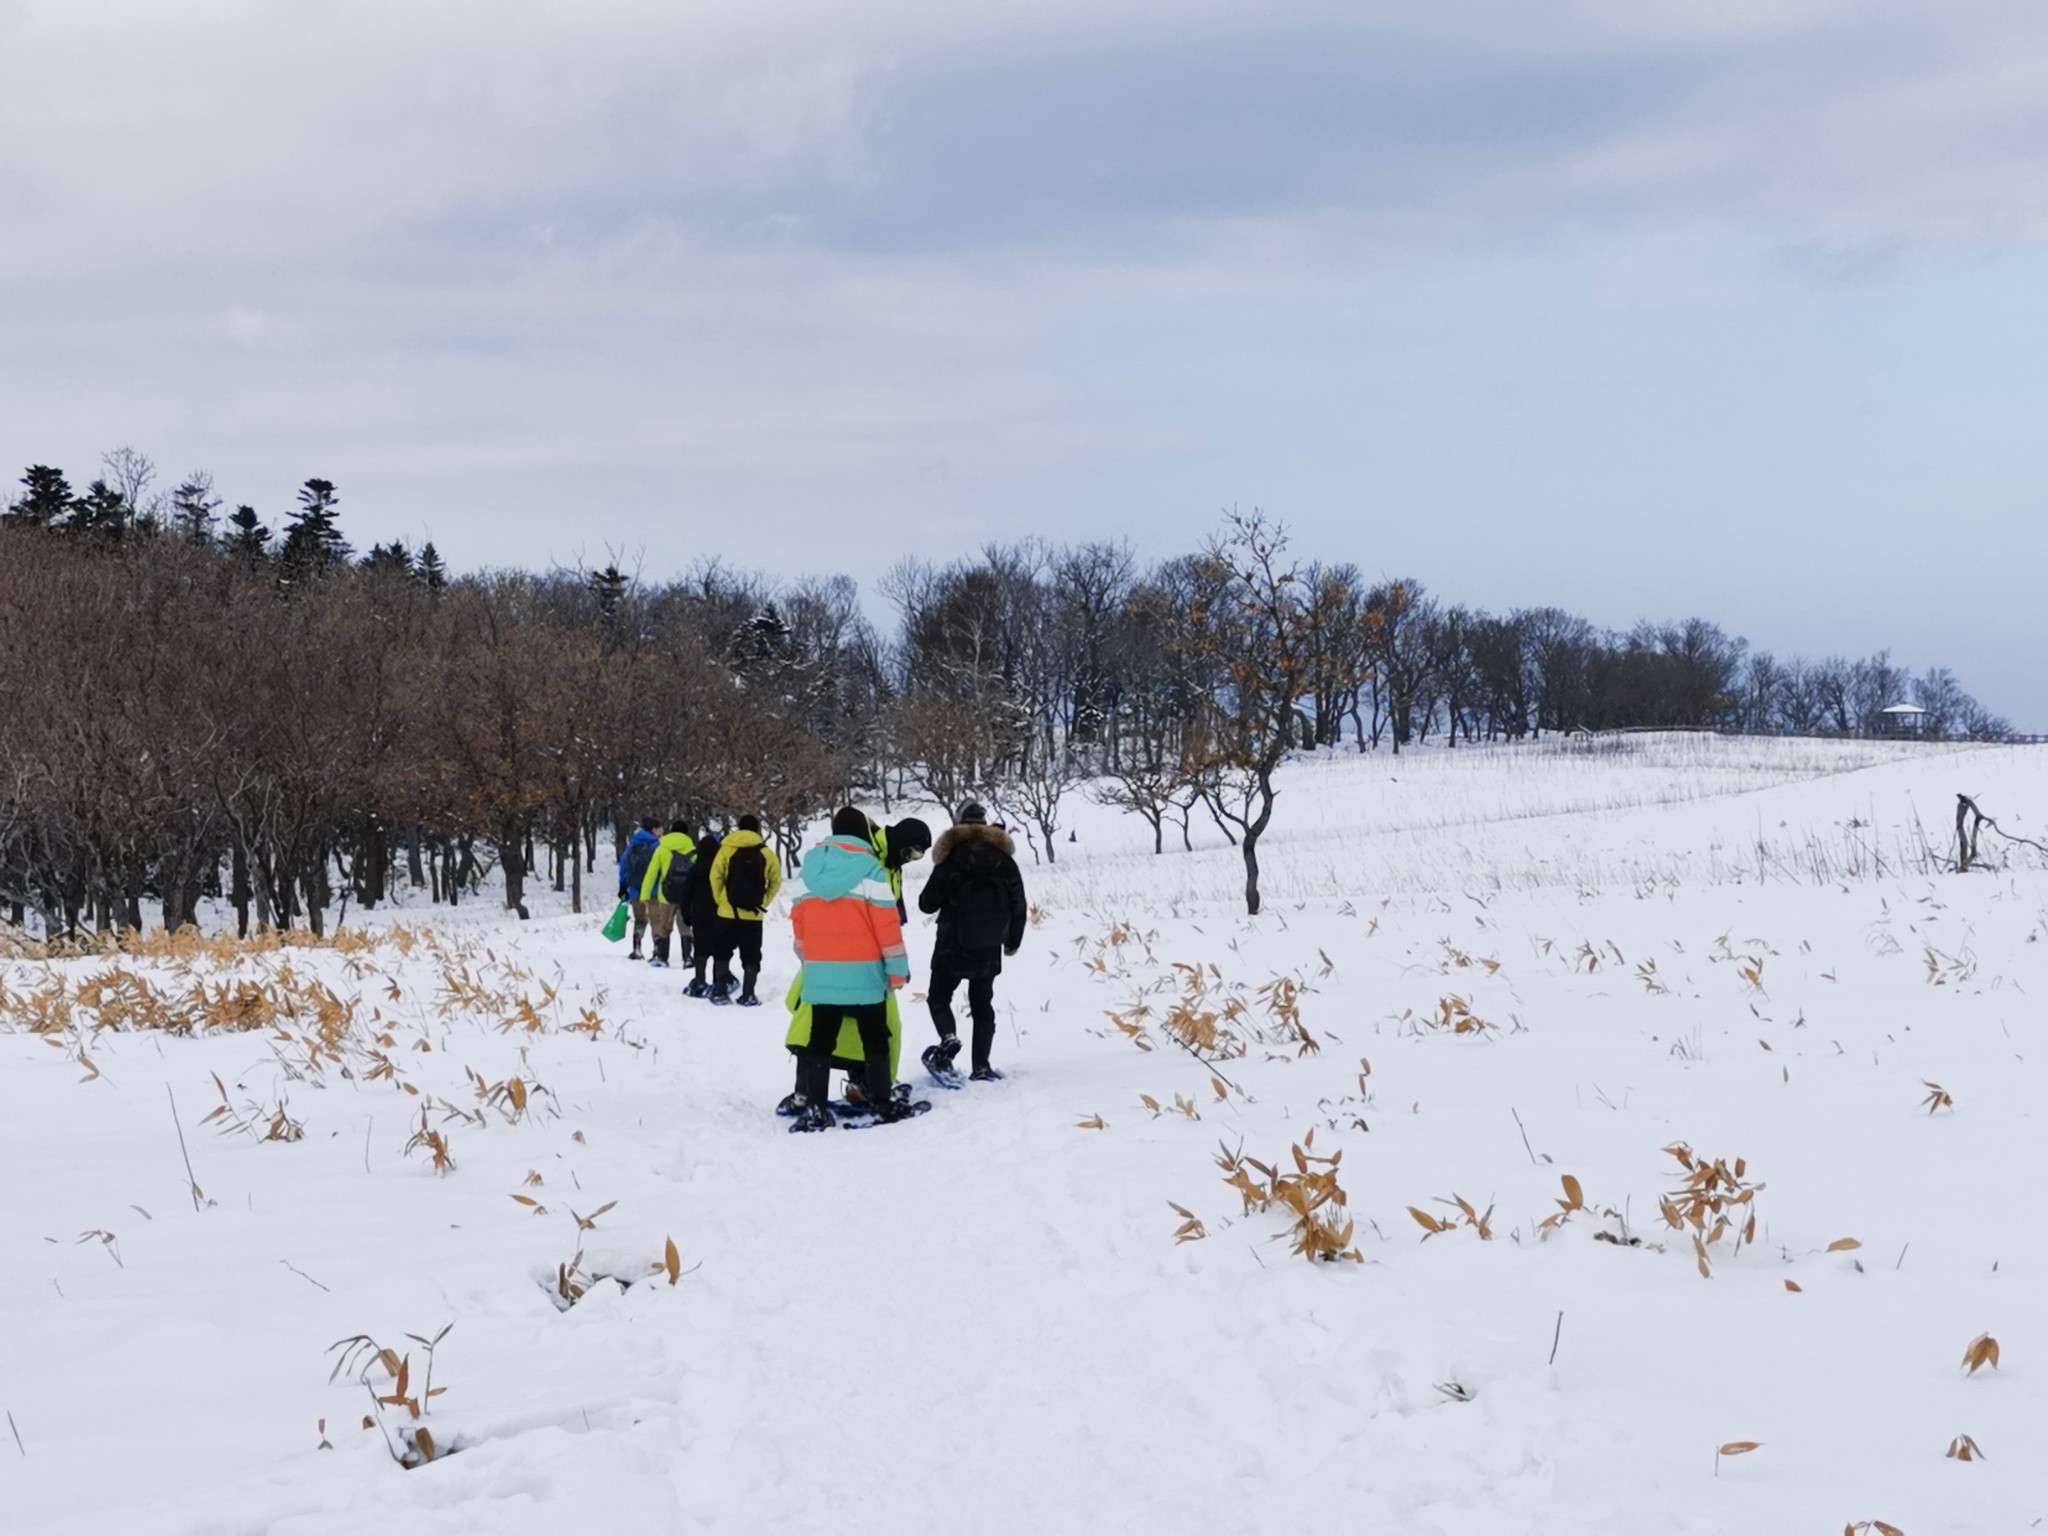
x=1903 y=719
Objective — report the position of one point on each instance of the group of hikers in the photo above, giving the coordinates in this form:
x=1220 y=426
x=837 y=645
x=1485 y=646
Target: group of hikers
x=710 y=898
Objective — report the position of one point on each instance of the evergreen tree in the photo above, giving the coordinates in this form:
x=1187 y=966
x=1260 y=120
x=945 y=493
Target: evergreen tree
x=248 y=541
x=47 y=499
x=430 y=570
x=609 y=588
x=393 y=557
x=101 y=510
x=193 y=505
x=313 y=544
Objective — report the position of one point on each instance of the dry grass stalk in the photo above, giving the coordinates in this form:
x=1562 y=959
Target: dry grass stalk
x=1963 y=1448
x=1468 y=1216
x=414 y=1445
x=1191 y=1229
x=254 y=1120
x=432 y=1141
x=1937 y=1099
x=1734 y=1448
x=1454 y=1015
x=1311 y=1195
x=1714 y=1198
x=1573 y=1202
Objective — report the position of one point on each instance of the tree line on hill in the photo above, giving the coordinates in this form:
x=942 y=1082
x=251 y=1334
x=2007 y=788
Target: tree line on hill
x=199 y=706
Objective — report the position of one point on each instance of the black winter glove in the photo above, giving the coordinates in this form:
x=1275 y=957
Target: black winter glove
x=1011 y=949
x=622 y=893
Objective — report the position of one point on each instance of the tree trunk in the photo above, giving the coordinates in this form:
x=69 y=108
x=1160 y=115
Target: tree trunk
x=1251 y=872
x=238 y=886
x=512 y=860
x=313 y=886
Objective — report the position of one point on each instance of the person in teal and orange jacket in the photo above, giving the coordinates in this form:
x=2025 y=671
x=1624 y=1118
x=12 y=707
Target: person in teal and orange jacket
x=849 y=937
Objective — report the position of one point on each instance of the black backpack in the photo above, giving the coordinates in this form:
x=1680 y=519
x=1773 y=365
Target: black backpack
x=675 y=885
x=746 y=879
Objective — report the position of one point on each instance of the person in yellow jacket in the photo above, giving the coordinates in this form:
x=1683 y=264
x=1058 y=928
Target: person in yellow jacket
x=744 y=879
x=661 y=894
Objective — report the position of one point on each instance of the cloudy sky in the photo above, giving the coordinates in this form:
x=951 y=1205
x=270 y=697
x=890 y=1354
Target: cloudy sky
x=1737 y=308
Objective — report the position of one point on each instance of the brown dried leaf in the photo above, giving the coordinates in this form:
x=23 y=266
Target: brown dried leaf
x=1983 y=1351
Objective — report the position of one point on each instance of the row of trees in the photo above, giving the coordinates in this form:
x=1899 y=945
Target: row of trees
x=198 y=707
x=1033 y=669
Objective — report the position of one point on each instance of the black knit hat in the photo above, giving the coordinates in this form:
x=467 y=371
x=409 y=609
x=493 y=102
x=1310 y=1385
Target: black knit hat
x=908 y=838
x=750 y=823
x=849 y=822
x=973 y=814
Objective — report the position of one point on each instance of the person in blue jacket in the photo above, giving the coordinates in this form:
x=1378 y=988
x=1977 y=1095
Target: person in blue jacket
x=633 y=874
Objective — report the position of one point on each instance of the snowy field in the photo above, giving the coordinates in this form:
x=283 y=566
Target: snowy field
x=1490 y=977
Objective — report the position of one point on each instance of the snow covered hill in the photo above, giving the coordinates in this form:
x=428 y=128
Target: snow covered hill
x=1540 y=996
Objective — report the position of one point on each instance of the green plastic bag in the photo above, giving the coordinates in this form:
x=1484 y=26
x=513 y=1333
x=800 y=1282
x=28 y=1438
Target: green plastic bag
x=615 y=929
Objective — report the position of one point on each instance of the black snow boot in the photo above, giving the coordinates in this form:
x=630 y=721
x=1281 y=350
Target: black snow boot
x=938 y=1061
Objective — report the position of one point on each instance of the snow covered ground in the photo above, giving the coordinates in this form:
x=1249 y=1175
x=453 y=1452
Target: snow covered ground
x=982 y=1321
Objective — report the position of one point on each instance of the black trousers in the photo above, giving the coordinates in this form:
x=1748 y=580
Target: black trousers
x=948 y=971
x=730 y=936
x=814 y=1067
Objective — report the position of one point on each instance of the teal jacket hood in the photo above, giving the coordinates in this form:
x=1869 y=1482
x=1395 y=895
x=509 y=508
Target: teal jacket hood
x=835 y=869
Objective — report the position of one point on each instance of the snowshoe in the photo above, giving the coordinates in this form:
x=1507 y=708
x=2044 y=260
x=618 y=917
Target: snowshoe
x=985 y=1075
x=938 y=1064
x=697 y=989
x=657 y=963
x=813 y=1117
x=748 y=1000
x=858 y=1117
x=721 y=996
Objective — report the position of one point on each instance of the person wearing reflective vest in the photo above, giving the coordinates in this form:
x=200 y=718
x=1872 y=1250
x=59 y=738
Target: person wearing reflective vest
x=744 y=879
x=905 y=843
x=661 y=890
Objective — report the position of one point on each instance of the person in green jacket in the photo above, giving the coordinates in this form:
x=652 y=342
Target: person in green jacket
x=668 y=872
x=744 y=879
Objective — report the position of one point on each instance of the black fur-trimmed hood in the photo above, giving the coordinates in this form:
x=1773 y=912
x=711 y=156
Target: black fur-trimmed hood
x=966 y=835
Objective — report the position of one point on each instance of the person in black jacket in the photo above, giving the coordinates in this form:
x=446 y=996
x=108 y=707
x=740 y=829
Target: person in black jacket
x=700 y=911
x=977 y=893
